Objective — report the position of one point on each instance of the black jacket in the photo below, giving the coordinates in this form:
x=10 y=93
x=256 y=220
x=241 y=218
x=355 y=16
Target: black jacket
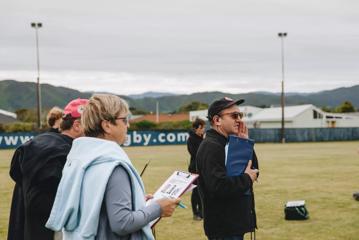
x=193 y=143
x=227 y=211
x=36 y=168
x=54 y=130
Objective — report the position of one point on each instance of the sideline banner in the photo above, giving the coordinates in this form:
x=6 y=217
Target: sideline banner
x=13 y=140
x=134 y=138
x=148 y=138
x=171 y=137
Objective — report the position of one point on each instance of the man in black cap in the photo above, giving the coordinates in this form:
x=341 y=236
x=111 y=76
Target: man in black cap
x=228 y=211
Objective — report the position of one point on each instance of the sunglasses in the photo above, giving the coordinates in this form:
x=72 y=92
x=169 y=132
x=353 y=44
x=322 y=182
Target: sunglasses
x=124 y=119
x=233 y=115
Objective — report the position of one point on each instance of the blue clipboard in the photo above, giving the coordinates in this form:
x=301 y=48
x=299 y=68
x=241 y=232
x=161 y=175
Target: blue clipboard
x=239 y=152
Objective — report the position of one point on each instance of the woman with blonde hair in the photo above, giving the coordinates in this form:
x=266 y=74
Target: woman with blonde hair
x=101 y=195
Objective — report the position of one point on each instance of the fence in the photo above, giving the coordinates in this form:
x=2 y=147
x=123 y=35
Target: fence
x=148 y=138
x=305 y=134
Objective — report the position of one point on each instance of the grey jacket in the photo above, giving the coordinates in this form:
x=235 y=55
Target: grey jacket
x=117 y=219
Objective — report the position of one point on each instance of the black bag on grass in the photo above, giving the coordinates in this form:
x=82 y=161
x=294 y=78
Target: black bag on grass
x=296 y=210
x=356 y=196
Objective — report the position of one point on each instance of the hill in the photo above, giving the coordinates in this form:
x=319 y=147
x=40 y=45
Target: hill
x=331 y=98
x=150 y=95
x=15 y=95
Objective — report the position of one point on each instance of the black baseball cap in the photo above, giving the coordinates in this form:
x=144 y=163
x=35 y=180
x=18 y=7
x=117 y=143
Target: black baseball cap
x=219 y=105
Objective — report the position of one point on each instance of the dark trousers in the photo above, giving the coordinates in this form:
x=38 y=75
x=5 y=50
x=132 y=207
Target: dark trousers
x=196 y=203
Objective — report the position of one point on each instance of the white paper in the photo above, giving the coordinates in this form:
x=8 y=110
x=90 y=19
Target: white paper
x=190 y=188
x=176 y=185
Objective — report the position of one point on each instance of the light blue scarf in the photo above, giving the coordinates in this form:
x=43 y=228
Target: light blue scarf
x=80 y=194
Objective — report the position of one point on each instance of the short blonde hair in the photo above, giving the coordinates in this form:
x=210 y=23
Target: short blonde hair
x=54 y=114
x=99 y=108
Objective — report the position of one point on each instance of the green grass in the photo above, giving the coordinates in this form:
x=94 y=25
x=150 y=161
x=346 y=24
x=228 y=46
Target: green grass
x=323 y=174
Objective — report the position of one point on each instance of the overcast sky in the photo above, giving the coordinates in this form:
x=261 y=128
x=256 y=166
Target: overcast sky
x=182 y=46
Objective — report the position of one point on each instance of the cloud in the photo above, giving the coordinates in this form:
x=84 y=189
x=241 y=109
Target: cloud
x=184 y=46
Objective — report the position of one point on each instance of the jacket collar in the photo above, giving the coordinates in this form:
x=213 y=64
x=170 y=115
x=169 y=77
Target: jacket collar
x=193 y=134
x=219 y=137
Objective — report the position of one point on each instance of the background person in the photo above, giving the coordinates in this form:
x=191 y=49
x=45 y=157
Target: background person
x=228 y=212
x=101 y=195
x=193 y=142
x=54 y=118
x=36 y=168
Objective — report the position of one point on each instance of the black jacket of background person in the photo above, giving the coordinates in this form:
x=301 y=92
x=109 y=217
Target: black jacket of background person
x=227 y=211
x=193 y=143
x=36 y=167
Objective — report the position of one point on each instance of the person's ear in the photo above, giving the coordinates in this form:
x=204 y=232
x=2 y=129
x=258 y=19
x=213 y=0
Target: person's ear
x=105 y=126
x=217 y=120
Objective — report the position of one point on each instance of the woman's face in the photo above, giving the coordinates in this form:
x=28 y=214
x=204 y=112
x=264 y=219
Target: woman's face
x=118 y=132
x=200 y=130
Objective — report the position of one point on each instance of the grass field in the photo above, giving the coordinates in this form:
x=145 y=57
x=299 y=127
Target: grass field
x=324 y=174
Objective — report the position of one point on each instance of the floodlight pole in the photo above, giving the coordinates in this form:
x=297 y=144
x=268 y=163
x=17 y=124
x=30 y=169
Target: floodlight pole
x=282 y=35
x=38 y=89
x=157 y=112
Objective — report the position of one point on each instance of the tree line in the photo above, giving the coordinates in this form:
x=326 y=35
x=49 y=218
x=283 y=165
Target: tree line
x=27 y=118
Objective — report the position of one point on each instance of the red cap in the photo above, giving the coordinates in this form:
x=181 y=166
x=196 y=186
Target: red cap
x=76 y=107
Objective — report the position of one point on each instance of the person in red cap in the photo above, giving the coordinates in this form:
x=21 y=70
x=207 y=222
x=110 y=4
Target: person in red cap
x=36 y=168
x=228 y=212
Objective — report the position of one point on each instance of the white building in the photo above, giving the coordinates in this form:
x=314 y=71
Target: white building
x=300 y=116
x=202 y=114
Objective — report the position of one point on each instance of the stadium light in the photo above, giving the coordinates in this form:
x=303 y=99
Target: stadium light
x=38 y=89
x=282 y=35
